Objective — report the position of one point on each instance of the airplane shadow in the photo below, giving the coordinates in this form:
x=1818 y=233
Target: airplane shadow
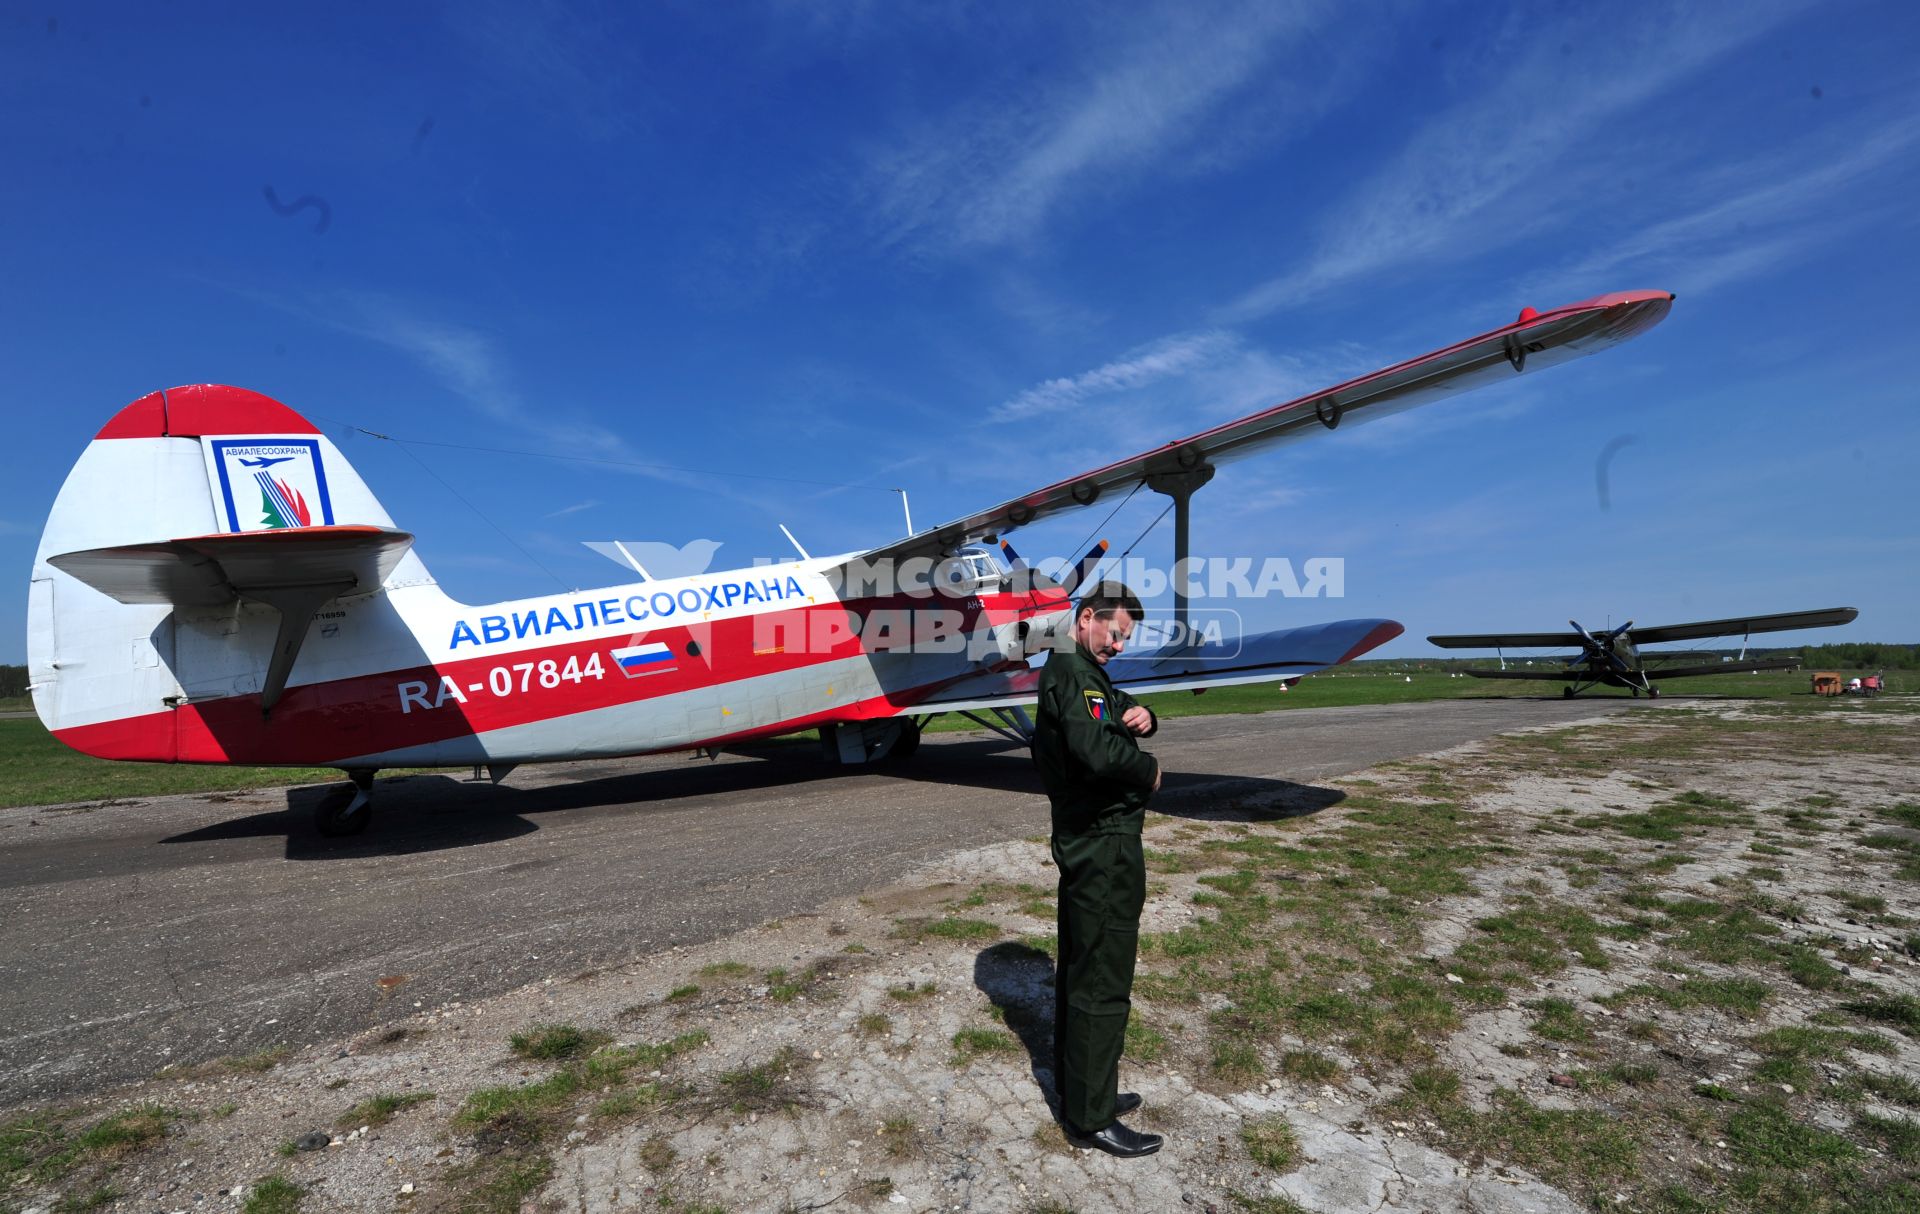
x=438 y=812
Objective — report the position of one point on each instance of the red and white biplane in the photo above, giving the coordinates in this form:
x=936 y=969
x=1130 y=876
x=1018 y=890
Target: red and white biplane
x=246 y=600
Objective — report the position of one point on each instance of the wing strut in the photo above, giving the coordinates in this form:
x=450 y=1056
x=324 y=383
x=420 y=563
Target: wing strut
x=1181 y=486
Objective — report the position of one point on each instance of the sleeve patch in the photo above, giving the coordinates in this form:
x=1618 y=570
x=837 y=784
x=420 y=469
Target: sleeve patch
x=1096 y=704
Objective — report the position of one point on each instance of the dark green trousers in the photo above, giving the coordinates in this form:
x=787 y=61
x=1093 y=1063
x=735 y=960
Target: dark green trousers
x=1103 y=885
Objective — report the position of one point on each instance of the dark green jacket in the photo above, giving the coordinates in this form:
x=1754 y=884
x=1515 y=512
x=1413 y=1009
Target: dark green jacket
x=1095 y=773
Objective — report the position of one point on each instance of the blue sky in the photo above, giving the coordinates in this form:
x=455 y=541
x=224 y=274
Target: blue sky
x=968 y=249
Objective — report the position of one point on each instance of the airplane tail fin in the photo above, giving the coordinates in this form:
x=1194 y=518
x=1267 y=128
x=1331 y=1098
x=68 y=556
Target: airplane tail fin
x=185 y=558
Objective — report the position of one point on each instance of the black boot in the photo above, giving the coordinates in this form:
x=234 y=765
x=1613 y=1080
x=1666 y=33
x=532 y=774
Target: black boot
x=1116 y=1139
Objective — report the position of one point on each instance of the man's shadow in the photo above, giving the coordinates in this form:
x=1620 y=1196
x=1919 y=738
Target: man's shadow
x=1209 y=798
x=1018 y=978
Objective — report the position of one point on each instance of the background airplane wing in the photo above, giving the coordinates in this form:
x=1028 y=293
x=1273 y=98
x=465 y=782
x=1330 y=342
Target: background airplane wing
x=1267 y=657
x=1558 y=676
x=1683 y=672
x=1827 y=617
x=1535 y=341
x=1507 y=640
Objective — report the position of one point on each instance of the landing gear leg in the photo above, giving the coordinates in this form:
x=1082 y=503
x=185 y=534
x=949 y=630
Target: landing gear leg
x=907 y=742
x=346 y=811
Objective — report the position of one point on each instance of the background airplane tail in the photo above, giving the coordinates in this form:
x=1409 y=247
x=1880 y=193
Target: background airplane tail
x=185 y=558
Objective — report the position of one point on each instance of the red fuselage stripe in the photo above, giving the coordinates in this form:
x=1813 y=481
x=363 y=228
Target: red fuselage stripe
x=319 y=723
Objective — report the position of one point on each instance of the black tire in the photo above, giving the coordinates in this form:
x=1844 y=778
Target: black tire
x=1566 y=693
x=342 y=812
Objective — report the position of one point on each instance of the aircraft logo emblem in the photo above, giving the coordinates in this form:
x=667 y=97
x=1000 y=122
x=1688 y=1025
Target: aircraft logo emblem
x=281 y=505
x=269 y=484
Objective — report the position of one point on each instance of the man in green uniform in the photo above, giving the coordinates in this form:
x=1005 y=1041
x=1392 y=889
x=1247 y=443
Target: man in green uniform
x=1099 y=780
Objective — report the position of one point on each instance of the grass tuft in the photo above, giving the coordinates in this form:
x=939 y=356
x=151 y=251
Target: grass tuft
x=1271 y=1143
x=273 y=1195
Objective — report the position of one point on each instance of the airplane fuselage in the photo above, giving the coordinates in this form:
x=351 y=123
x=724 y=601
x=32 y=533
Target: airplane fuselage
x=409 y=677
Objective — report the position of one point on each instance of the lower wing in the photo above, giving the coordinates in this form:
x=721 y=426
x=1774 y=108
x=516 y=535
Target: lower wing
x=1558 y=676
x=1267 y=657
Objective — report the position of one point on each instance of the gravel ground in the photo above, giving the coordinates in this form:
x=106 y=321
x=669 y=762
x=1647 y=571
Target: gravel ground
x=865 y=1055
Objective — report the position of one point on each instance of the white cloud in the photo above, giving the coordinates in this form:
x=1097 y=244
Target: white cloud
x=993 y=170
x=1143 y=365
x=560 y=55
x=1765 y=210
x=1499 y=165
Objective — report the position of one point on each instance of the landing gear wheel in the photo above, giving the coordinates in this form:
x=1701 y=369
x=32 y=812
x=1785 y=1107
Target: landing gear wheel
x=1566 y=693
x=346 y=811
x=1653 y=693
x=907 y=742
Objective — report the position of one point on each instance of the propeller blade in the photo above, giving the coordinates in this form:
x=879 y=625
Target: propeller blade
x=1014 y=562
x=1601 y=649
x=1084 y=570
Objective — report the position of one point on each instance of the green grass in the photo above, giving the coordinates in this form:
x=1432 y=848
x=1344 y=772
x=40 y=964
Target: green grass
x=947 y=929
x=764 y=1087
x=551 y=1041
x=970 y=1043
x=1271 y=1143
x=1559 y=1020
x=37 y=769
x=379 y=1110
x=1743 y=995
x=273 y=1195
x=1900 y=1011
x=497 y=1183
x=490 y=1105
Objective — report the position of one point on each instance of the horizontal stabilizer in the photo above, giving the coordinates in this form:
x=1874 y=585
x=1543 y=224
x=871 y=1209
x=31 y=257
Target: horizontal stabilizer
x=211 y=570
x=295 y=570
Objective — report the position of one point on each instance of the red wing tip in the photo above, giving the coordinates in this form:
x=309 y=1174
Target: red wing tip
x=1377 y=636
x=197 y=410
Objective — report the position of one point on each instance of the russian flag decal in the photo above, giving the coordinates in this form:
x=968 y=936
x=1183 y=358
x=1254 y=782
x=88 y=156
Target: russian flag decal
x=636 y=660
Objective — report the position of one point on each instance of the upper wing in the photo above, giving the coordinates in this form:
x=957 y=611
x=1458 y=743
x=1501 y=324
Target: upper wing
x=1535 y=341
x=1506 y=640
x=1828 y=617
x=1267 y=657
